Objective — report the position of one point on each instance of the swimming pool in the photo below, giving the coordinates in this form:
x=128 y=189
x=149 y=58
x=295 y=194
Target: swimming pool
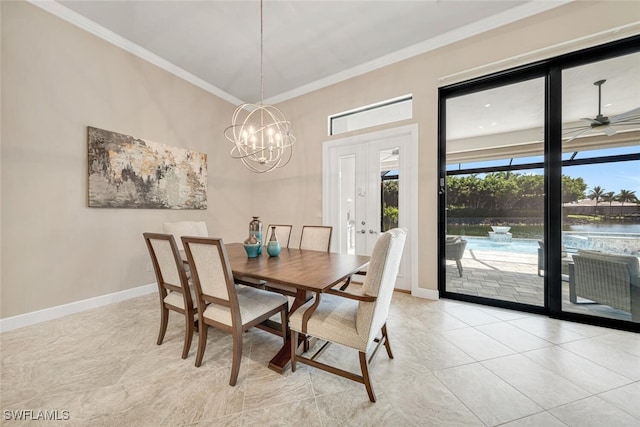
x=520 y=246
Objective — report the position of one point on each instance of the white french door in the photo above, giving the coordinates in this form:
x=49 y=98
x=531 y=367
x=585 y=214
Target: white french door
x=369 y=186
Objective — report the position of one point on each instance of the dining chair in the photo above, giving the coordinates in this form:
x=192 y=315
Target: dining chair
x=173 y=285
x=316 y=237
x=185 y=228
x=283 y=233
x=353 y=317
x=224 y=305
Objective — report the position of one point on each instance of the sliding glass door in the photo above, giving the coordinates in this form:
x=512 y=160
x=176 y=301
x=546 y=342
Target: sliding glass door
x=601 y=215
x=494 y=193
x=539 y=187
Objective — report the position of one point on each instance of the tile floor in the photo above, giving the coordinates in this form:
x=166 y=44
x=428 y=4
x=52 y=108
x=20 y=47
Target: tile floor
x=455 y=364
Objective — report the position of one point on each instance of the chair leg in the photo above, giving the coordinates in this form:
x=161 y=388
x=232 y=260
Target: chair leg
x=459 y=265
x=202 y=343
x=284 y=319
x=385 y=337
x=164 y=319
x=365 y=376
x=188 y=334
x=237 y=355
x=294 y=348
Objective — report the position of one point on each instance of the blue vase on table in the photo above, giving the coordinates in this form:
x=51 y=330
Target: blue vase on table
x=273 y=246
x=252 y=247
x=255 y=229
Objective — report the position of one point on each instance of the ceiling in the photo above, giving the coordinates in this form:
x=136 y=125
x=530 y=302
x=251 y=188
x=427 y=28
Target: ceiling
x=310 y=44
x=307 y=44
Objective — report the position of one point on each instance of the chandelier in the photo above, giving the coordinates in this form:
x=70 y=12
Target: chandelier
x=261 y=134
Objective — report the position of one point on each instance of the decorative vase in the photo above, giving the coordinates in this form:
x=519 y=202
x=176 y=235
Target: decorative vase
x=273 y=246
x=252 y=246
x=255 y=229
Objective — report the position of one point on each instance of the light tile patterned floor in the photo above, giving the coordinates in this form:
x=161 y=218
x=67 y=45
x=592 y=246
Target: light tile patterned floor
x=455 y=364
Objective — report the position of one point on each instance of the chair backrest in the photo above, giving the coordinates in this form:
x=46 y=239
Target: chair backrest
x=380 y=282
x=185 y=228
x=168 y=265
x=316 y=237
x=283 y=233
x=212 y=275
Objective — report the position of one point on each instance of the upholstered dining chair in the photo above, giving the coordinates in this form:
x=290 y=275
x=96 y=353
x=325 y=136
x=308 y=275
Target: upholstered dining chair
x=283 y=233
x=223 y=304
x=352 y=317
x=316 y=237
x=173 y=285
x=185 y=228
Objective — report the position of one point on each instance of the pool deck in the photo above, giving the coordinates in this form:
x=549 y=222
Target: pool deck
x=512 y=277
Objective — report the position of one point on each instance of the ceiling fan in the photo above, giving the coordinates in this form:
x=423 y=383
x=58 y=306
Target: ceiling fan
x=603 y=123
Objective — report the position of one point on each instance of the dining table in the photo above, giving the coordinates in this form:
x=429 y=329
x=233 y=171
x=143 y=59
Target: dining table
x=306 y=271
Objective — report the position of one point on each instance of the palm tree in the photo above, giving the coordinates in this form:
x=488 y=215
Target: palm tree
x=609 y=197
x=626 y=196
x=596 y=194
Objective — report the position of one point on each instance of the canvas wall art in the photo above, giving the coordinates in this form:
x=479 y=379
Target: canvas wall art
x=129 y=172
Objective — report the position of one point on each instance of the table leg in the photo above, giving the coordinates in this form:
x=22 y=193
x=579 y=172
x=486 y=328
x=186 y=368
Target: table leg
x=280 y=361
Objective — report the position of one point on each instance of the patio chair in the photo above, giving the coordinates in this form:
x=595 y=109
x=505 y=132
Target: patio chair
x=566 y=259
x=455 y=247
x=607 y=279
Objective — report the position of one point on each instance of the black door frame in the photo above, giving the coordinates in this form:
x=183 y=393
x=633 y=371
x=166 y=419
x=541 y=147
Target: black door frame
x=551 y=71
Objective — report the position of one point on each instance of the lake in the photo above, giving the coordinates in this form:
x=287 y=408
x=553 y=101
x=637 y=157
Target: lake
x=625 y=228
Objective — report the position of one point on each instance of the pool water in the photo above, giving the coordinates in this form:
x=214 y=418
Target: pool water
x=520 y=246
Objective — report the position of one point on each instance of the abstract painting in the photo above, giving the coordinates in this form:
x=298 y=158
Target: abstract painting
x=129 y=172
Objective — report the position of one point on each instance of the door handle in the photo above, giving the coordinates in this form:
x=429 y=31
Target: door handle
x=372 y=231
x=363 y=231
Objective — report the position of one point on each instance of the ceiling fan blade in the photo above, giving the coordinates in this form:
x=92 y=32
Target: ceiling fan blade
x=629 y=115
x=590 y=121
x=609 y=131
x=585 y=130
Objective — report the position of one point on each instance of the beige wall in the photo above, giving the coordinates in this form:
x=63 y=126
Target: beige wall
x=57 y=80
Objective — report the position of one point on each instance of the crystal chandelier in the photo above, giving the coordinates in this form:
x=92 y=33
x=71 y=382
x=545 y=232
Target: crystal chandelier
x=261 y=134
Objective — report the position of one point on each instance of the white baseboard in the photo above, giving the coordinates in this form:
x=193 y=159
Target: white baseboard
x=426 y=293
x=43 y=315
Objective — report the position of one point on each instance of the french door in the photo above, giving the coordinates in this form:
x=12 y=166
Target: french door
x=367 y=188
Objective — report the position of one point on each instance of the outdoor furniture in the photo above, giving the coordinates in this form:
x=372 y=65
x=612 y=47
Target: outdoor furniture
x=566 y=259
x=607 y=279
x=455 y=247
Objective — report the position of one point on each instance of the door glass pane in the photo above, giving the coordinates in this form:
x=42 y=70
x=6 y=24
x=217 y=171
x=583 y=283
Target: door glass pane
x=495 y=193
x=347 y=183
x=390 y=185
x=601 y=217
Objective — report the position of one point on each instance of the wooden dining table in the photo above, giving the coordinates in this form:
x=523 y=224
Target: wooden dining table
x=305 y=270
